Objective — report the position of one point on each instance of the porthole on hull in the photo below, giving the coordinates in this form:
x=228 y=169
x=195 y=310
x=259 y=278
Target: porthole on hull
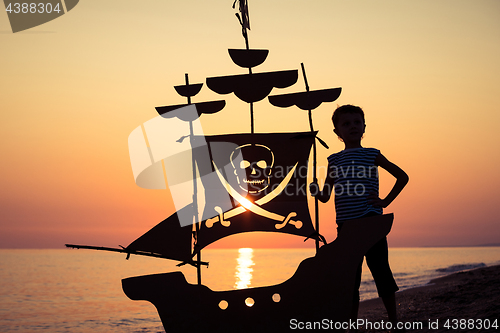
x=249 y=302
x=223 y=305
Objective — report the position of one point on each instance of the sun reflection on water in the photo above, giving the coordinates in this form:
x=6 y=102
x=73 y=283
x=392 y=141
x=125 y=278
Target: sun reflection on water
x=244 y=268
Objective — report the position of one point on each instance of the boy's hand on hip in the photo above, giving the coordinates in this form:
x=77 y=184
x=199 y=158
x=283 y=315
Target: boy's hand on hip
x=374 y=200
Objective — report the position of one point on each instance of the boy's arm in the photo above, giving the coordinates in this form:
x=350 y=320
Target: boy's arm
x=401 y=181
x=325 y=194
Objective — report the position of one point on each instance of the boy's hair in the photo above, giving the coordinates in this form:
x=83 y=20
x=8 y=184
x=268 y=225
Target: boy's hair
x=346 y=109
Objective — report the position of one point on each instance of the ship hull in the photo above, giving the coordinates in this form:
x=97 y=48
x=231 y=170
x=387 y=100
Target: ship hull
x=319 y=293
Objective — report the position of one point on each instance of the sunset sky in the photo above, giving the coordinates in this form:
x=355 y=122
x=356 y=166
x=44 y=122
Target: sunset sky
x=427 y=74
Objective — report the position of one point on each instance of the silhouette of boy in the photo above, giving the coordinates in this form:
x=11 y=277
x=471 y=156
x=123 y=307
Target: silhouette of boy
x=353 y=177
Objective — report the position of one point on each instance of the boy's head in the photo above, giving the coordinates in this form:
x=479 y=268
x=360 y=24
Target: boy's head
x=346 y=109
x=349 y=122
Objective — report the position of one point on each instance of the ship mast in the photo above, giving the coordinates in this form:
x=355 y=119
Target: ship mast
x=309 y=100
x=244 y=20
x=189 y=90
x=195 y=190
x=315 y=161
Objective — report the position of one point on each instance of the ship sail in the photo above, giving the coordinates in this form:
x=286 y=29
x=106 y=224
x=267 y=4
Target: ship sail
x=265 y=177
x=160 y=158
x=167 y=239
x=250 y=183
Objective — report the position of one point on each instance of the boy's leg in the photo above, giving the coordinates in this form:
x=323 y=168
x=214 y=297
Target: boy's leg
x=355 y=297
x=357 y=284
x=390 y=306
x=377 y=259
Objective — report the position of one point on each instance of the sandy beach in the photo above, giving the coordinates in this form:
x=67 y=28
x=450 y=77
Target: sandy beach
x=467 y=301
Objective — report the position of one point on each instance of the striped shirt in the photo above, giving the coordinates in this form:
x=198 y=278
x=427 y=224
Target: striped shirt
x=355 y=176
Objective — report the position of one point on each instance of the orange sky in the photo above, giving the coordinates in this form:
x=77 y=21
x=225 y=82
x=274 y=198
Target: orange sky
x=426 y=73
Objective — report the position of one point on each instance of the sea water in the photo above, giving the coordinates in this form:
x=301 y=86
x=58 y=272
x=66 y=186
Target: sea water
x=80 y=290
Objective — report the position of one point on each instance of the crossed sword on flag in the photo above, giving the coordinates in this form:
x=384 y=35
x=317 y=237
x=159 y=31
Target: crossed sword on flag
x=254 y=207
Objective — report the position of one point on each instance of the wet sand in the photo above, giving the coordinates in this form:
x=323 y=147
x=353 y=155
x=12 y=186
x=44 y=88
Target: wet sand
x=471 y=295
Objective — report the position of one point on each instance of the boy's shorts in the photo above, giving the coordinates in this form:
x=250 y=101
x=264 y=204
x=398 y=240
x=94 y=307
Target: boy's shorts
x=377 y=259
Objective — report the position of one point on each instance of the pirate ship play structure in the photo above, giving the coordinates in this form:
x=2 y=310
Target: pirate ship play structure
x=240 y=183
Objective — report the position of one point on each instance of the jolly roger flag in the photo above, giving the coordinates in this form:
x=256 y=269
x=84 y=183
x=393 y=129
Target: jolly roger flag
x=254 y=182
